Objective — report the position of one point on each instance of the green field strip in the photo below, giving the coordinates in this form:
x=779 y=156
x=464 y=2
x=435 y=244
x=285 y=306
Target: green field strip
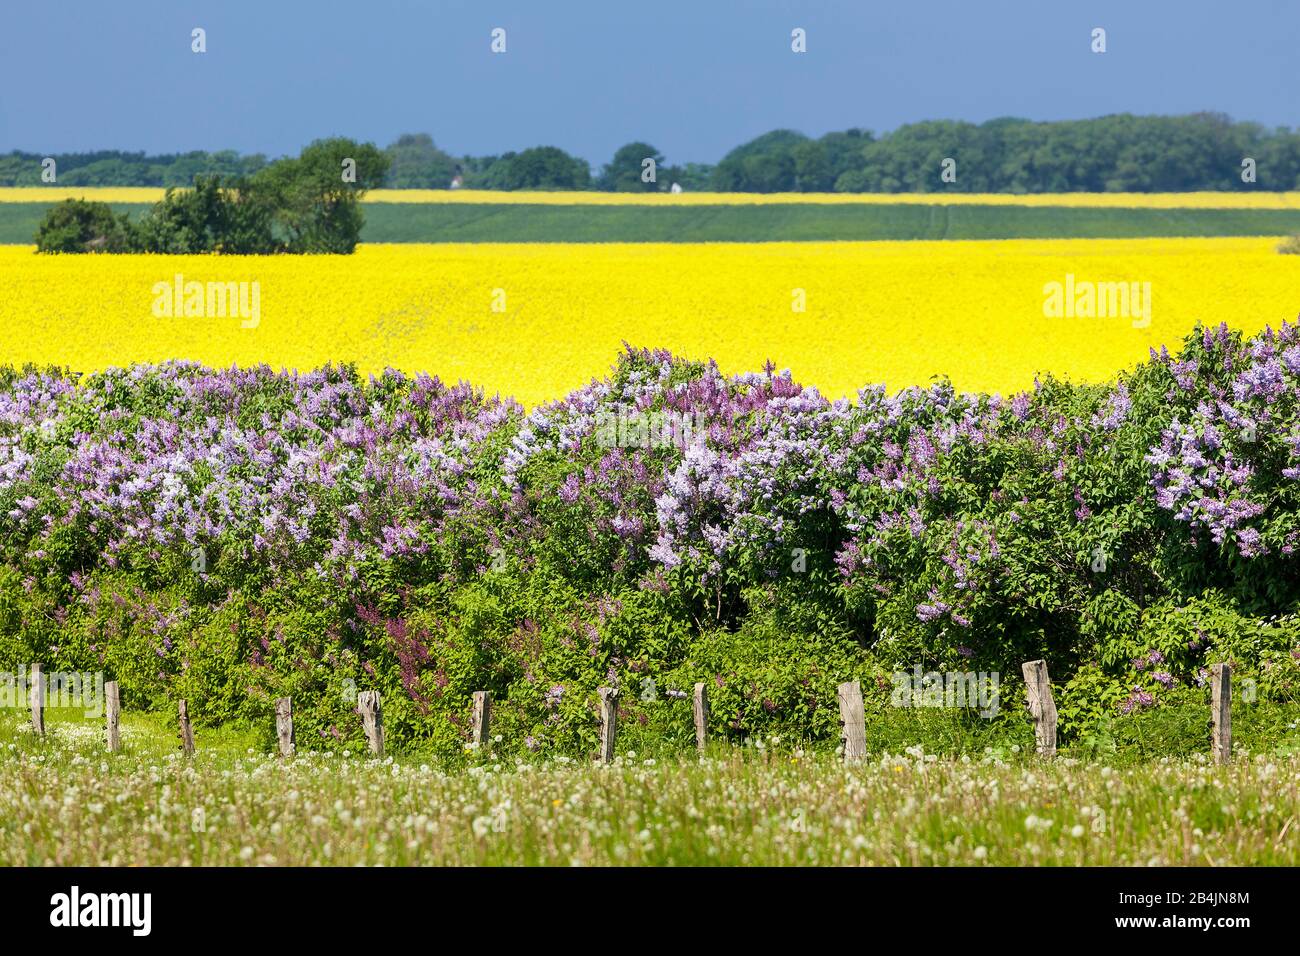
x=794 y=222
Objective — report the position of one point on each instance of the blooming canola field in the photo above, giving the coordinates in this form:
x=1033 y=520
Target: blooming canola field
x=536 y=320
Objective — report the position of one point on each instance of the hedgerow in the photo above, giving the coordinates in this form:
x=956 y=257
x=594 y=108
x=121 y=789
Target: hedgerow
x=232 y=536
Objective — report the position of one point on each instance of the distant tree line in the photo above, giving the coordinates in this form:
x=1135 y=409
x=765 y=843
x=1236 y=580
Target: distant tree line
x=1120 y=153
x=114 y=168
x=305 y=204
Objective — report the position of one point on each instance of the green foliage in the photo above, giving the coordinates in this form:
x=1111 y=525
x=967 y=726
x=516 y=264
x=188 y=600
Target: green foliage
x=623 y=174
x=1121 y=152
x=305 y=205
x=952 y=532
x=212 y=217
x=909 y=160
x=116 y=168
x=1085 y=706
x=763 y=165
x=76 y=225
x=313 y=207
x=542 y=167
x=416 y=163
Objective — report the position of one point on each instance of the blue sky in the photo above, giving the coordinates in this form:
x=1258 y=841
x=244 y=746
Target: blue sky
x=694 y=78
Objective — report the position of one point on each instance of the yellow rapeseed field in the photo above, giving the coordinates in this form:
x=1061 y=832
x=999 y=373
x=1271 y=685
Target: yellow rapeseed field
x=1202 y=200
x=99 y=193
x=892 y=312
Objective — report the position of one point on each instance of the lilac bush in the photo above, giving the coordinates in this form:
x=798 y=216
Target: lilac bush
x=1228 y=464
x=235 y=534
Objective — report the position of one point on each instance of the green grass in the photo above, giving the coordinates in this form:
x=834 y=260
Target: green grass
x=800 y=223
x=64 y=801
x=491 y=222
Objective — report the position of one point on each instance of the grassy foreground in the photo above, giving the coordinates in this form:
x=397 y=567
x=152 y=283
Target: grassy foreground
x=64 y=801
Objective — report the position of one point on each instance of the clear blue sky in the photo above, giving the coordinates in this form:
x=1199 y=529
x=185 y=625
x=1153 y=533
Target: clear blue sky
x=693 y=77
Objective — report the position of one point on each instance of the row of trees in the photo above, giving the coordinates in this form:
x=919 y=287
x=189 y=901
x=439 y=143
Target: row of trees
x=1121 y=153
x=300 y=205
x=412 y=161
x=115 y=168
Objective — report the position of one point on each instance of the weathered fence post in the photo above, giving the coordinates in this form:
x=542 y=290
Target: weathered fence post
x=187 y=732
x=38 y=699
x=1221 y=711
x=112 y=714
x=1042 y=708
x=608 y=722
x=284 y=725
x=481 y=719
x=372 y=719
x=853 y=720
x=701 y=711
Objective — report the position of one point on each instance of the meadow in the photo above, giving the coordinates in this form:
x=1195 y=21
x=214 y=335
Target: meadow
x=63 y=801
x=603 y=217
x=534 y=321
x=784 y=222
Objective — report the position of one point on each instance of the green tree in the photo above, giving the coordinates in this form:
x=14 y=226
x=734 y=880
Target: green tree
x=307 y=204
x=543 y=167
x=623 y=174
x=416 y=163
x=692 y=177
x=314 y=207
x=910 y=159
x=215 y=216
x=76 y=225
x=844 y=150
x=763 y=165
x=812 y=168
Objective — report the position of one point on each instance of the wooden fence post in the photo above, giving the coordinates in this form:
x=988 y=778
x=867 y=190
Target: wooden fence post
x=38 y=699
x=284 y=725
x=113 y=714
x=372 y=719
x=853 y=720
x=1042 y=708
x=481 y=720
x=701 y=710
x=187 y=732
x=608 y=722
x=1221 y=711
